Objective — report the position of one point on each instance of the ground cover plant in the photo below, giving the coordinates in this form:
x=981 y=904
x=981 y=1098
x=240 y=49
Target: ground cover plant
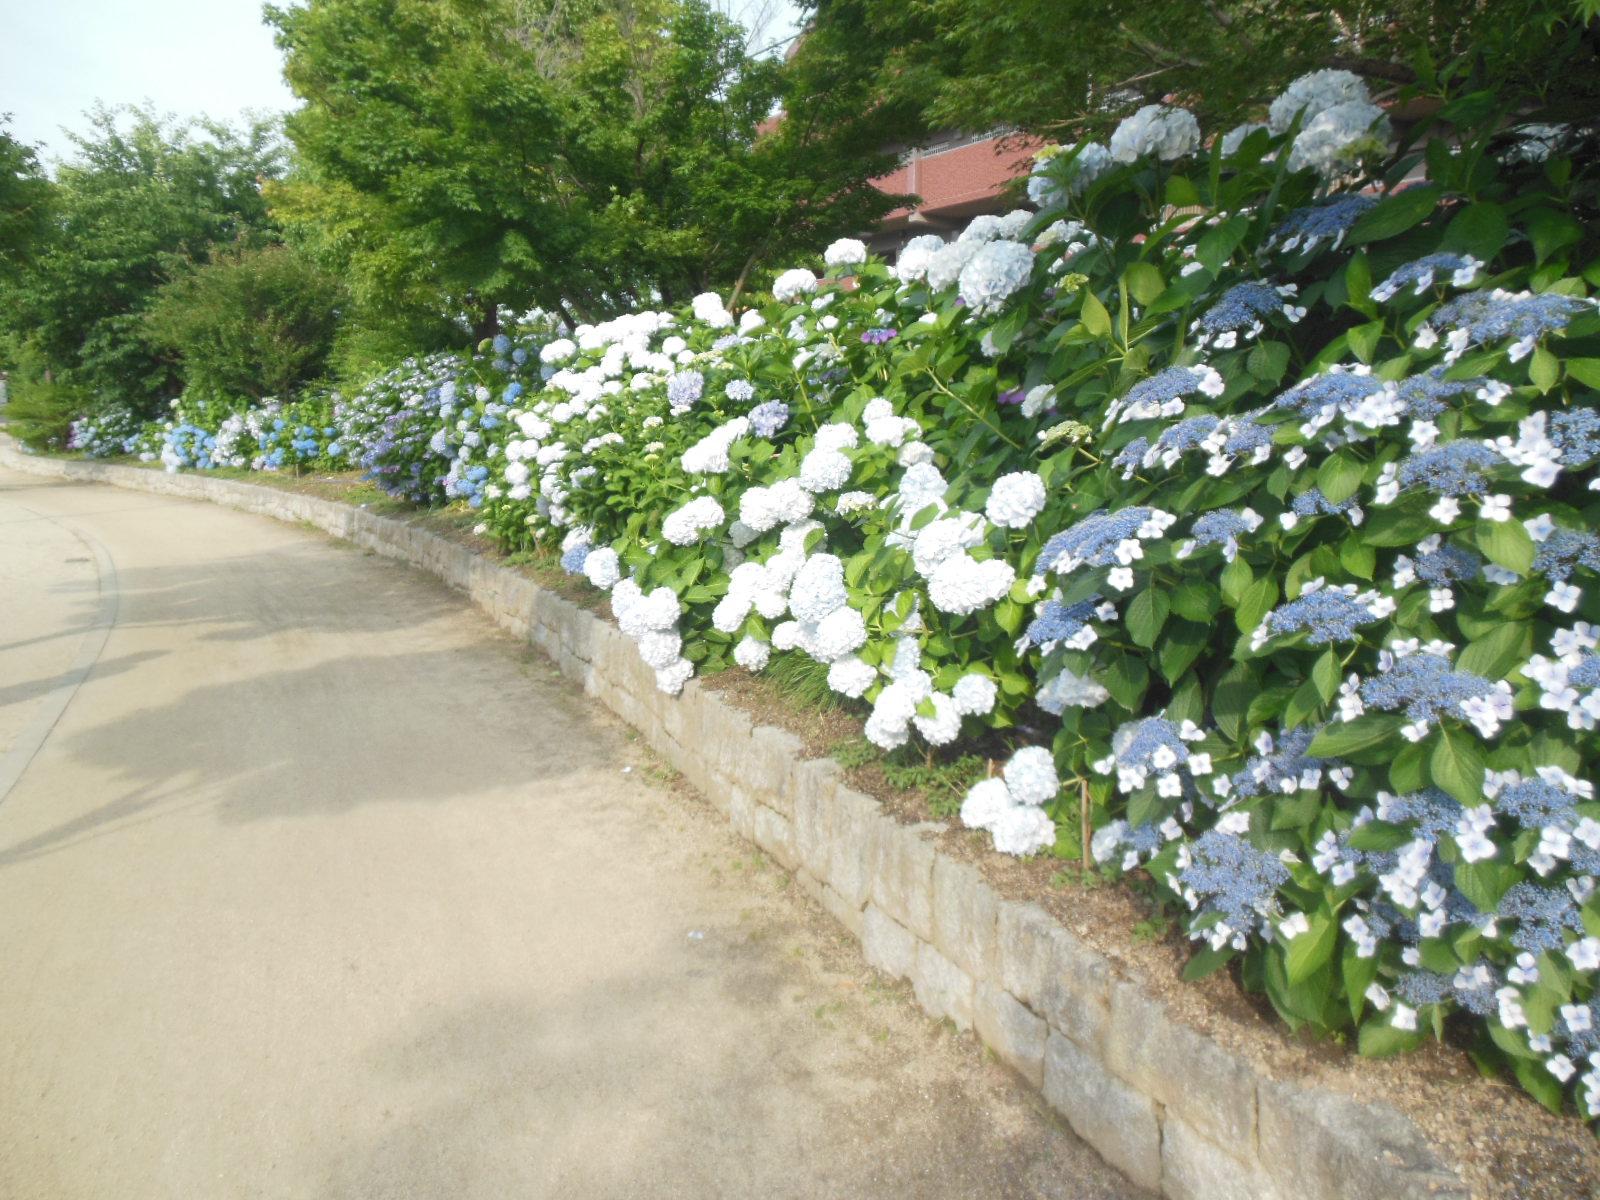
x=1244 y=491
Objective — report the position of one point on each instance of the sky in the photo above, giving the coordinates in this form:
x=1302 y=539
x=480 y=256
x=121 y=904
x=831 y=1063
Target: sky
x=189 y=58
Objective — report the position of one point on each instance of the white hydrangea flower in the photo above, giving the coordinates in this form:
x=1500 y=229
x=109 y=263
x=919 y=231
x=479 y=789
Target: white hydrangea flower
x=938 y=540
x=974 y=695
x=672 y=679
x=944 y=726
x=1333 y=140
x=945 y=266
x=912 y=264
x=818 y=589
x=752 y=654
x=602 y=568
x=824 y=470
x=985 y=803
x=961 y=584
x=791 y=285
x=996 y=272
x=1167 y=132
x=1031 y=776
x=1023 y=831
x=851 y=676
x=708 y=308
x=1015 y=500
x=685 y=526
x=1234 y=138
x=846 y=252
x=1315 y=93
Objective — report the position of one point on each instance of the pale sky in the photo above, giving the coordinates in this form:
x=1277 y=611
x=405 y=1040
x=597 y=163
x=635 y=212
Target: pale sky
x=189 y=57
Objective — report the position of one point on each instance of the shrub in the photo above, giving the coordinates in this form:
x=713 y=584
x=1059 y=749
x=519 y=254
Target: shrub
x=250 y=323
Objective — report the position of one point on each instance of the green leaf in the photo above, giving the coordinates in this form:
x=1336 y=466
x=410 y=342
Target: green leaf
x=1339 y=477
x=1379 y=1039
x=1358 y=284
x=1457 y=766
x=1506 y=543
x=1544 y=371
x=1095 y=318
x=1267 y=361
x=1408 y=769
x=1205 y=962
x=1364 y=340
x=1236 y=577
x=1257 y=601
x=1550 y=231
x=1479 y=230
x=1485 y=882
x=1394 y=215
x=1325 y=675
x=1368 y=738
x=1230 y=700
x=1143 y=281
x=1126 y=679
x=1498 y=652
x=1585 y=370
x=1310 y=951
x=1358 y=558
x=1146 y=615
x=1179 y=649
x=1544 y=1087
x=1358 y=975
x=1195 y=600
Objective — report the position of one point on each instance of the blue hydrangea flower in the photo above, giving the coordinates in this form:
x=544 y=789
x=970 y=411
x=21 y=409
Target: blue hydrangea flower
x=1424 y=395
x=1542 y=914
x=1481 y=317
x=1246 y=435
x=1311 y=226
x=1432 y=812
x=1564 y=551
x=740 y=390
x=1332 y=389
x=1288 y=762
x=1323 y=616
x=1093 y=540
x=1420 y=988
x=1535 y=804
x=1425 y=685
x=768 y=418
x=1219 y=527
x=1231 y=878
x=1312 y=503
x=572 y=561
x=1241 y=307
x=1456 y=469
x=684 y=389
x=1420 y=273
x=1057 y=622
x=1576 y=433
x=1447 y=565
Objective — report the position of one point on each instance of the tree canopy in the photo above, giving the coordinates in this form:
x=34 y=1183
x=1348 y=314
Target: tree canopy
x=1064 y=67
x=579 y=155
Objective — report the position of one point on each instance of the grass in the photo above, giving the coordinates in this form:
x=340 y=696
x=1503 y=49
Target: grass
x=942 y=785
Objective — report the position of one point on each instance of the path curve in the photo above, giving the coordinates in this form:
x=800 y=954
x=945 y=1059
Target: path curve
x=319 y=886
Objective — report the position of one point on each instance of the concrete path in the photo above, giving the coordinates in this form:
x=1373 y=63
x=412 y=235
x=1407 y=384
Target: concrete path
x=313 y=884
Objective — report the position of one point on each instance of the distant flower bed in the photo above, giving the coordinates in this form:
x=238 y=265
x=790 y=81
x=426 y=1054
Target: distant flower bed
x=1243 y=492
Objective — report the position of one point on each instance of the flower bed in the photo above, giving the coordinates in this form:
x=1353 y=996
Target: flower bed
x=1243 y=496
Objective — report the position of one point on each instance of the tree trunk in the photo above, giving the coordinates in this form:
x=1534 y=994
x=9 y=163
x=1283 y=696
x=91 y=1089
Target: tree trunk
x=487 y=322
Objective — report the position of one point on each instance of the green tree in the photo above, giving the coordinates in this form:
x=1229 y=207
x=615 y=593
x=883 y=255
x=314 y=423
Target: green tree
x=580 y=155
x=24 y=199
x=250 y=323
x=1063 y=67
x=140 y=196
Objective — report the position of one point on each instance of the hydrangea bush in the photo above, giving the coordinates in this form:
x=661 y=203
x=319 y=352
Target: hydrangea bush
x=1245 y=490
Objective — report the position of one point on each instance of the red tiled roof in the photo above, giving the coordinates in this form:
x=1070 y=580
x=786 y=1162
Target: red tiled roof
x=959 y=180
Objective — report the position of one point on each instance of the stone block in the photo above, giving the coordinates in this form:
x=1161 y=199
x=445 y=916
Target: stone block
x=813 y=813
x=942 y=988
x=853 y=844
x=775 y=835
x=902 y=877
x=966 y=912
x=842 y=911
x=769 y=766
x=742 y=807
x=887 y=944
x=1050 y=970
x=1318 y=1145
x=1195 y=1168
x=1119 y=1122
x=1211 y=1088
x=1011 y=1030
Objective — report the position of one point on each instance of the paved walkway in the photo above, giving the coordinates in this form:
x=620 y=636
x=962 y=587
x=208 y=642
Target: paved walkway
x=312 y=884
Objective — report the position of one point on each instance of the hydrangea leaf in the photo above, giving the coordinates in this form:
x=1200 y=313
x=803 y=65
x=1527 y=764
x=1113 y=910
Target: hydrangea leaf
x=1311 y=951
x=1394 y=214
x=1506 y=544
x=1498 y=652
x=1380 y=1039
x=1457 y=765
x=1146 y=616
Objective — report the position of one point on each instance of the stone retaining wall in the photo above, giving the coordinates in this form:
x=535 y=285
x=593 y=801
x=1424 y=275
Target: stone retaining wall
x=1173 y=1110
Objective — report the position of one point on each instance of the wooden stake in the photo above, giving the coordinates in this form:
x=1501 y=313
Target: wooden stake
x=1083 y=819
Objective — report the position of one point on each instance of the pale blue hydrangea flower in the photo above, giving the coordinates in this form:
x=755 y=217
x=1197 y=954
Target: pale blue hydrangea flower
x=1426 y=686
